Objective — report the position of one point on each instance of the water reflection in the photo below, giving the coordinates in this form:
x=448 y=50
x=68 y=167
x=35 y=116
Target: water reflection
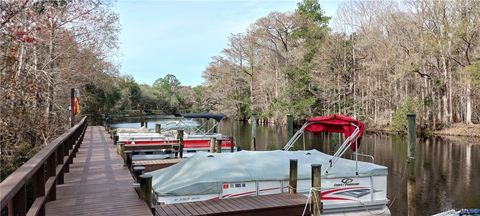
x=447 y=168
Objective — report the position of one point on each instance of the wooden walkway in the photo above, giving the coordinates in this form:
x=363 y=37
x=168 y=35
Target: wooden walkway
x=98 y=183
x=277 y=204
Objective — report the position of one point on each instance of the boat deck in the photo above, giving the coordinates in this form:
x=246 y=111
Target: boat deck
x=98 y=183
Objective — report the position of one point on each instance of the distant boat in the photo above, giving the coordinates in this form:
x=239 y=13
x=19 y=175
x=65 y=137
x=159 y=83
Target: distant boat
x=461 y=212
x=347 y=185
x=194 y=139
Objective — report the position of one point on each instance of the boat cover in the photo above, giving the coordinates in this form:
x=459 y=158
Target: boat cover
x=132 y=130
x=204 y=172
x=337 y=124
x=217 y=117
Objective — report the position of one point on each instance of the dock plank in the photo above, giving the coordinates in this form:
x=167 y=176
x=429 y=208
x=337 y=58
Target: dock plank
x=275 y=204
x=152 y=165
x=98 y=183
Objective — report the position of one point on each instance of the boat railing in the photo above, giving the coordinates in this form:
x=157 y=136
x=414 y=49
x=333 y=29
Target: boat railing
x=197 y=129
x=365 y=155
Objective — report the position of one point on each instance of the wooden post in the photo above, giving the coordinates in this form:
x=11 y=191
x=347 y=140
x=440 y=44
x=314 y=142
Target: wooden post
x=142 y=119
x=292 y=183
x=412 y=135
x=60 y=156
x=146 y=186
x=137 y=172
x=19 y=202
x=412 y=139
x=72 y=104
x=128 y=159
x=51 y=169
x=317 y=207
x=115 y=139
x=290 y=125
x=219 y=146
x=113 y=134
x=231 y=127
x=253 y=146
x=158 y=128
x=180 y=142
x=122 y=150
x=213 y=140
x=39 y=186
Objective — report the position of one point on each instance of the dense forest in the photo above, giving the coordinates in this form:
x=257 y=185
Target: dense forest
x=381 y=60
x=48 y=47
x=377 y=61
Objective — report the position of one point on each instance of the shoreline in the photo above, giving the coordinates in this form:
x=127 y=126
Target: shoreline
x=456 y=129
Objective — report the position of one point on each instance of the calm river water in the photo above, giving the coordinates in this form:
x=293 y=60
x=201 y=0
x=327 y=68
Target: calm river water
x=447 y=168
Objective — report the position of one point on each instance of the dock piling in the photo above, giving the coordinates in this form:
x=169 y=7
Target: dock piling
x=146 y=187
x=213 y=140
x=122 y=150
x=317 y=206
x=290 y=125
x=292 y=183
x=219 y=146
x=180 y=142
x=137 y=172
x=412 y=140
x=113 y=133
x=253 y=146
x=128 y=159
x=115 y=139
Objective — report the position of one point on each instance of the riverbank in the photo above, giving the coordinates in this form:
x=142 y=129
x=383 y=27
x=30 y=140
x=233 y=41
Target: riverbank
x=459 y=129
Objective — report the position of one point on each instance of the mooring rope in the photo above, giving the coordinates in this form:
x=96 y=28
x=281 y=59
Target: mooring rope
x=309 y=201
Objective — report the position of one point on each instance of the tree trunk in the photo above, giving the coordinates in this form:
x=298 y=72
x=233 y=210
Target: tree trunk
x=354 y=91
x=468 y=115
x=446 y=115
x=51 y=82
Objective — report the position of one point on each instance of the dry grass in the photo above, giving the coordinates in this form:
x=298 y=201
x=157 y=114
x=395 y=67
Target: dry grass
x=460 y=129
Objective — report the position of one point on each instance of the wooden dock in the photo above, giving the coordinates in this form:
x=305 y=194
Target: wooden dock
x=80 y=173
x=276 y=204
x=151 y=165
x=98 y=183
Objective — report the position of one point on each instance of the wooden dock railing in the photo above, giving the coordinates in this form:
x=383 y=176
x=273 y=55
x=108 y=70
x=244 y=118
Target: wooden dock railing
x=44 y=170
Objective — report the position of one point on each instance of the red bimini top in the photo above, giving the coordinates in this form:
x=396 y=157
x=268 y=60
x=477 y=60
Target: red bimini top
x=337 y=124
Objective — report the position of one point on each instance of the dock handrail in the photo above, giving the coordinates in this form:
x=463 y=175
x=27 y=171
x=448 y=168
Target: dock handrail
x=46 y=169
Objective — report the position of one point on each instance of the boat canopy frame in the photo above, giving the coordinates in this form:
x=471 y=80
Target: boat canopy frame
x=351 y=128
x=208 y=116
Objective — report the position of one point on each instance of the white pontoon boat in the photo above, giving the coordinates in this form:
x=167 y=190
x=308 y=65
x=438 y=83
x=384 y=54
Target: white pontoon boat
x=347 y=185
x=194 y=139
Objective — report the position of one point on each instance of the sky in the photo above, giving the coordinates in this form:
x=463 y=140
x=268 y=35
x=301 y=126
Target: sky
x=160 y=37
